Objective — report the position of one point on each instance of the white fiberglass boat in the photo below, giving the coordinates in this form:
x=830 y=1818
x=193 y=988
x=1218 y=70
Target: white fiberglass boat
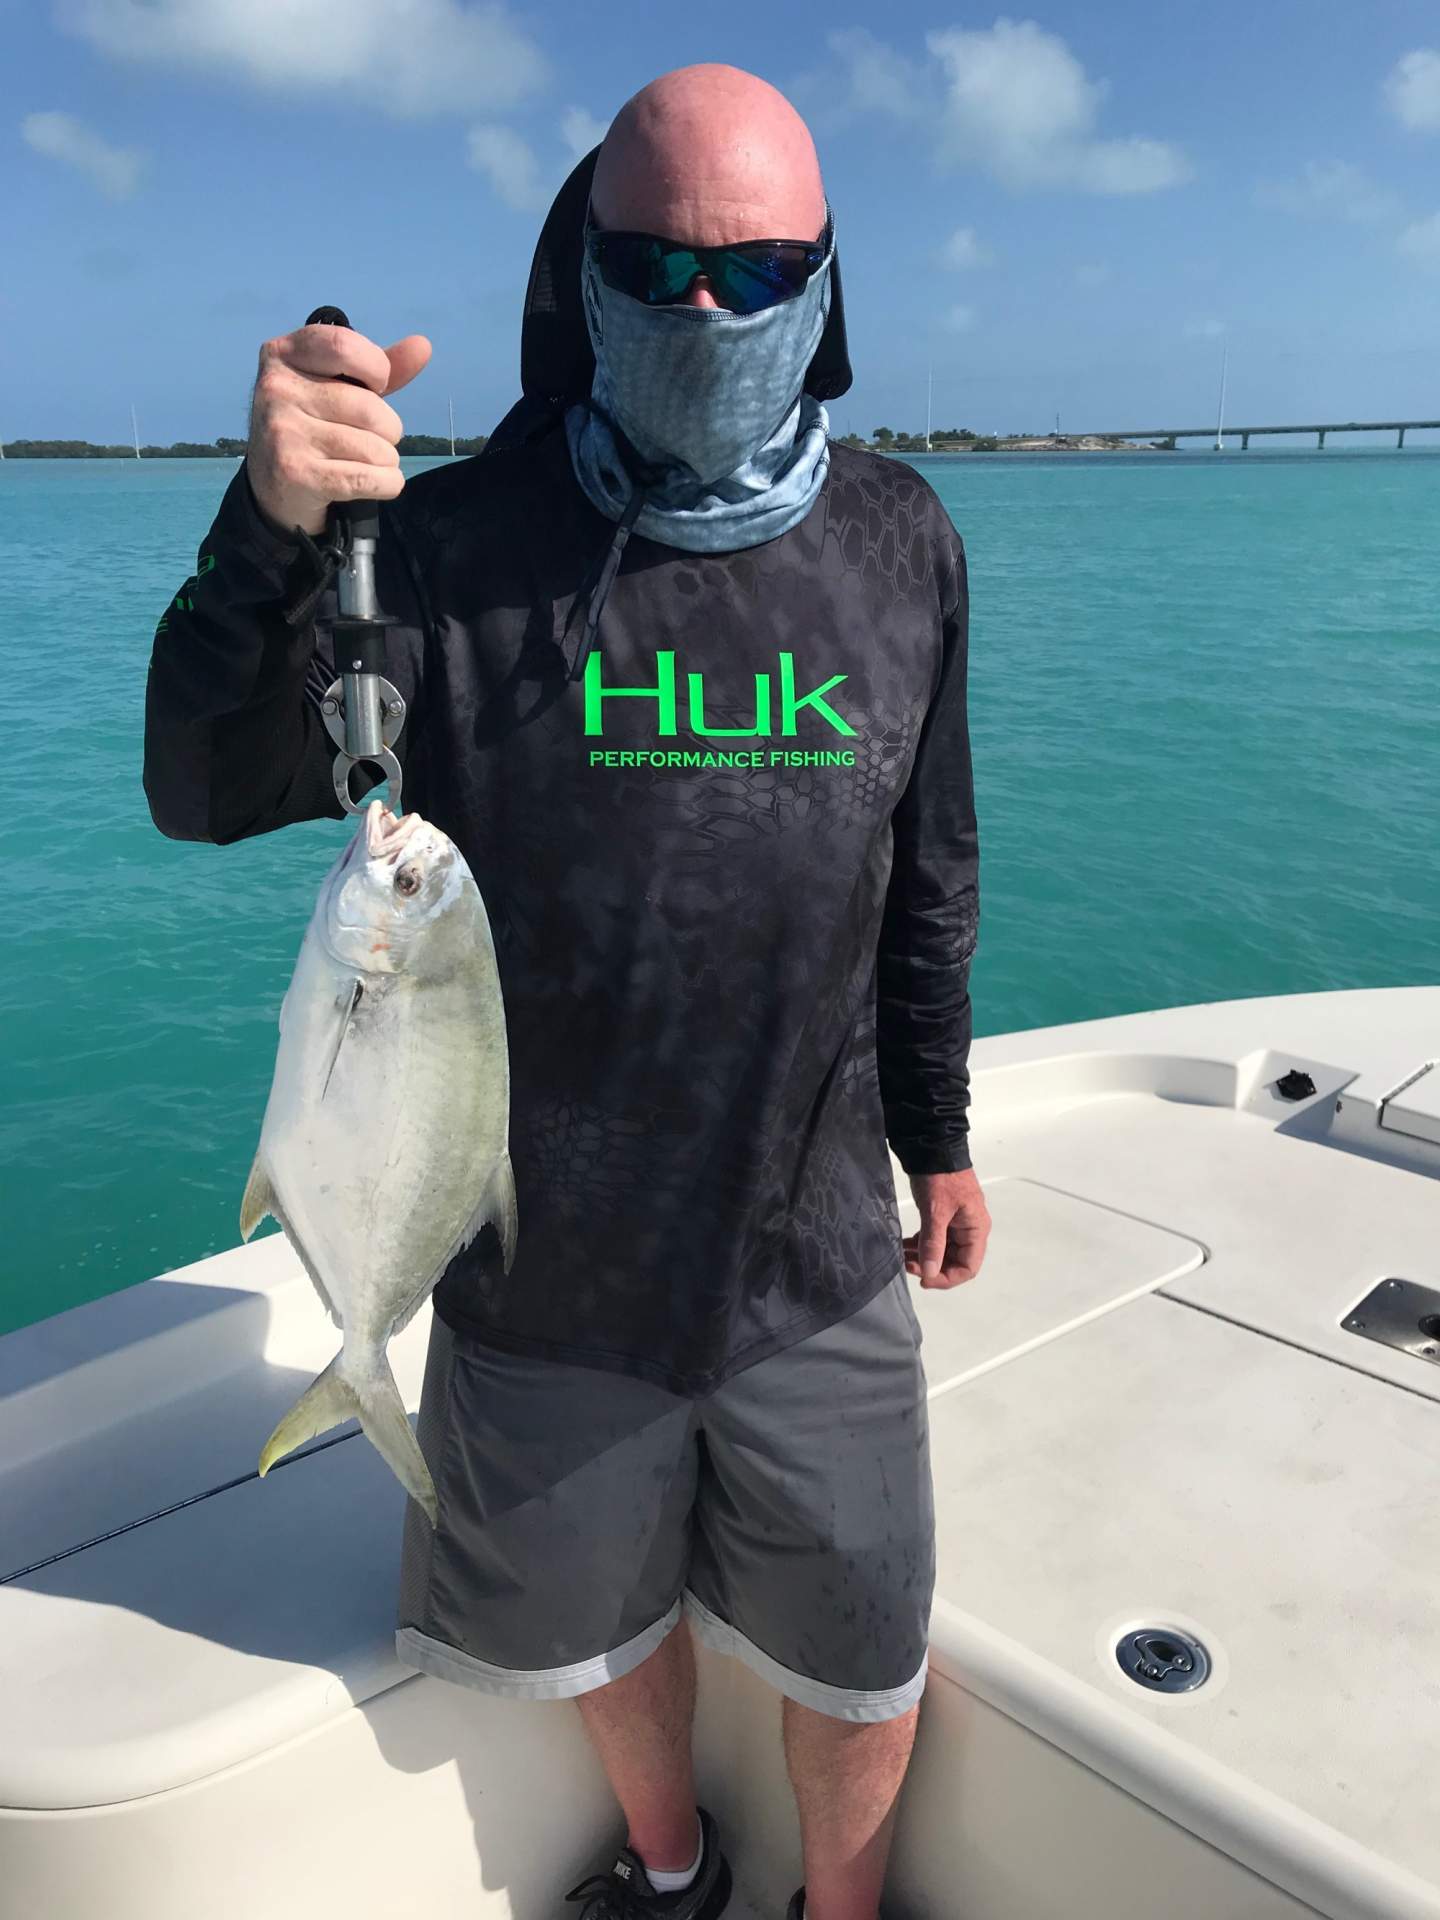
x=1191 y=1399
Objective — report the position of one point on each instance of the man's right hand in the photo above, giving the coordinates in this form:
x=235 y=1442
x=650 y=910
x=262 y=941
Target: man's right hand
x=313 y=439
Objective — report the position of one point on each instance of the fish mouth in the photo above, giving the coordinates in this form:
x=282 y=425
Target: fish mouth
x=386 y=834
x=389 y=841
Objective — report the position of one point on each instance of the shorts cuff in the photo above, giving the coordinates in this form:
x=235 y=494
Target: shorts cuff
x=438 y=1657
x=839 y=1703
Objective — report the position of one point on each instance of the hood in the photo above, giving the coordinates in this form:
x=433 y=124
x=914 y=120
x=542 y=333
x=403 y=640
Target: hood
x=556 y=360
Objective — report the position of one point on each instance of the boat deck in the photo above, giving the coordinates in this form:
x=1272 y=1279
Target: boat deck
x=1147 y=1412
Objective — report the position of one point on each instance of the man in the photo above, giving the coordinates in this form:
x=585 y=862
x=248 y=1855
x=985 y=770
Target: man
x=686 y=685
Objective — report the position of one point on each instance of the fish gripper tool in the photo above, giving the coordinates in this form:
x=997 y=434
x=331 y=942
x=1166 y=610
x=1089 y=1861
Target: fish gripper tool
x=362 y=711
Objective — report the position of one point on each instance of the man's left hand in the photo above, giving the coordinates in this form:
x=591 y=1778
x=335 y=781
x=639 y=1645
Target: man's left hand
x=954 y=1226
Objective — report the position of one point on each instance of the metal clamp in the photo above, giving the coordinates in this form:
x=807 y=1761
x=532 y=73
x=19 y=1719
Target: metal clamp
x=363 y=715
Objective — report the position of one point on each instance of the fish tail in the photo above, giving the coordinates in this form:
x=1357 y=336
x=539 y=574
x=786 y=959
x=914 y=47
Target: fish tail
x=373 y=1399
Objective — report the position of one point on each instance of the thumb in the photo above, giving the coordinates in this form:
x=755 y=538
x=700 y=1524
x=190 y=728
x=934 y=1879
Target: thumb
x=407 y=358
x=930 y=1246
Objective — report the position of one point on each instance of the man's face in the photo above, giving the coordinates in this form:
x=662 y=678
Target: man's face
x=709 y=156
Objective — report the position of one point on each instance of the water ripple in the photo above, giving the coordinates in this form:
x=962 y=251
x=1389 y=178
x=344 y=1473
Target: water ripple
x=1203 y=706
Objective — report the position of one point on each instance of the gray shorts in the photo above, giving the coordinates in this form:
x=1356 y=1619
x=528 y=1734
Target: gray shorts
x=789 y=1513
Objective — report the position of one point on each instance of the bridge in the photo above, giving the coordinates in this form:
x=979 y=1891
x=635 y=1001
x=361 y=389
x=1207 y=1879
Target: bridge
x=1169 y=435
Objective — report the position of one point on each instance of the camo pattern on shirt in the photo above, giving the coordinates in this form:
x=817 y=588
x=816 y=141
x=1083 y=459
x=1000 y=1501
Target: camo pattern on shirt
x=688 y=951
x=732 y=961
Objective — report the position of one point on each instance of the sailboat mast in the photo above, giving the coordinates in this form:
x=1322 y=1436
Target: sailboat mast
x=135 y=432
x=929 y=397
x=1220 y=417
x=452 y=427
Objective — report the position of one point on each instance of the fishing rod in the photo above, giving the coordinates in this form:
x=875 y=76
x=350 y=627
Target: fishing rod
x=363 y=712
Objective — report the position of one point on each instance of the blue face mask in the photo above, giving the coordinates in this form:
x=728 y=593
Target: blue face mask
x=731 y=451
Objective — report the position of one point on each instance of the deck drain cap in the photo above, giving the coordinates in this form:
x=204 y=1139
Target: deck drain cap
x=1164 y=1660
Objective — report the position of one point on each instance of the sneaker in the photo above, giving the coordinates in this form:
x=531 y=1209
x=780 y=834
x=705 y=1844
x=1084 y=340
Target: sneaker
x=625 y=1893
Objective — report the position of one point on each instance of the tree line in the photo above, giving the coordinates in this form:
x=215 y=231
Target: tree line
x=942 y=439
x=882 y=440
x=224 y=448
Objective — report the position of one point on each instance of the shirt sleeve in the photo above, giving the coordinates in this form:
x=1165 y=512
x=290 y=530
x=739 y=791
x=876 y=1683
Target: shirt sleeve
x=930 y=924
x=234 y=741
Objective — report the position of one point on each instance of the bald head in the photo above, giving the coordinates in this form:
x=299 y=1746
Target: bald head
x=710 y=155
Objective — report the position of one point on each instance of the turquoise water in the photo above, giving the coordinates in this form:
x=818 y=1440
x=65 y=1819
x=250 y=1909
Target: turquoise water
x=1204 y=718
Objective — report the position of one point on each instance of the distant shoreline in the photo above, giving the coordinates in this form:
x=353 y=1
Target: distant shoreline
x=905 y=444
x=435 y=445
x=223 y=449
x=1034 y=446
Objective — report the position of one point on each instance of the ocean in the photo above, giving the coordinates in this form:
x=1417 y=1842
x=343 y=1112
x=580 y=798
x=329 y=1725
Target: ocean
x=1204 y=714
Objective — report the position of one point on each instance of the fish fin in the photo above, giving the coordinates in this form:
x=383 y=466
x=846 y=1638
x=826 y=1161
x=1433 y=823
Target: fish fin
x=407 y=1313
x=501 y=1202
x=497 y=1208
x=258 y=1200
x=336 y=1396
x=357 y=993
x=422 y=1293
x=297 y=1246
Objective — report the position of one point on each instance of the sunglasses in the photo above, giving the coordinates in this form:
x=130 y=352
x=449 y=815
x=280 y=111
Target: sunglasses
x=746 y=278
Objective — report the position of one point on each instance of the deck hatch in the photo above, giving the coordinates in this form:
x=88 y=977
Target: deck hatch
x=1400 y=1314
x=1414 y=1107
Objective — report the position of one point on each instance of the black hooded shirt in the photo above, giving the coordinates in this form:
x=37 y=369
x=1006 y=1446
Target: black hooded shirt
x=730 y=867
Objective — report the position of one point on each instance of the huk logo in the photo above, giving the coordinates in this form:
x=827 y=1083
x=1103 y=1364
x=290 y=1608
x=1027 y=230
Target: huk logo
x=184 y=600
x=665 y=694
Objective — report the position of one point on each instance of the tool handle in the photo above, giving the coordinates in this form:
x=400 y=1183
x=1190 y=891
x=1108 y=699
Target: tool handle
x=361 y=517
x=365 y=712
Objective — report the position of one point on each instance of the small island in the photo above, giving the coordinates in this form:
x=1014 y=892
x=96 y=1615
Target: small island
x=962 y=440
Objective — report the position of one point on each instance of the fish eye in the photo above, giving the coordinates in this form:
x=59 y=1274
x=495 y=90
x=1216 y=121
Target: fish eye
x=407 y=881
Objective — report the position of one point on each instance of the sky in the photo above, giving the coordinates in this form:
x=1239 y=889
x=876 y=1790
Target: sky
x=1070 y=212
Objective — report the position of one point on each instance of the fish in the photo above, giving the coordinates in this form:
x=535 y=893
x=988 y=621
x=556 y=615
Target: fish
x=384 y=1147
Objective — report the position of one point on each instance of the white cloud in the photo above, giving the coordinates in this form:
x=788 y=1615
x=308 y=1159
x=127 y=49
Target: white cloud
x=1091 y=273
x=1412 y=90
x=1204 y=329
x=1011 y=100
x=1330 y=189
x=1420 y=241
x=508 y=162
x=513 y=167
x=60 y=136
x=960 y=319
x=403 y=56
x=877 y=78
x=581 y=130
x=963 y=251
x=1020 y=107
x=1125 y=166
